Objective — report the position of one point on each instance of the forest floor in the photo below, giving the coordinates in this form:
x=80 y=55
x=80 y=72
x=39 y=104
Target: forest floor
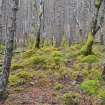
x=57 y=76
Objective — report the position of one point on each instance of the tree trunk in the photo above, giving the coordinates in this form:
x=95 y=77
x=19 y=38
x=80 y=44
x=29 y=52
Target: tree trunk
x=87 y=48
x=9 y=50
x=37 y=45
x=102 y=39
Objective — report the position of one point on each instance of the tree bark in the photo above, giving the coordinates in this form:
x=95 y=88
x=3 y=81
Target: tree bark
x=87 y=48
x=9 y=50
x=40 y=16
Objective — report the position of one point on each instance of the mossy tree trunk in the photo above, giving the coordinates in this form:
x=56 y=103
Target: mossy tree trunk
x=9 y=50
x=87 y=48
x=37 y=45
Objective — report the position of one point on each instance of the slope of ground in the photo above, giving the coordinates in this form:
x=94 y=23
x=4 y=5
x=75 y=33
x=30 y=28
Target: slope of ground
x=57 y=76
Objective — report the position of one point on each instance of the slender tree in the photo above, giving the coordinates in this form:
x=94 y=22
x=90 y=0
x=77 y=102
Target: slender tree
x=40 y=15
x=9 y=49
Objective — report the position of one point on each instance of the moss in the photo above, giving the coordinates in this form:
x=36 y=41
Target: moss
x=25 y=75
x=49 y=49
x=2 y=47
x=57 y=54
x=75 y=46
x=101 y=93
x=15 y=81
x=88 y=59
x=16 y=66
x=76 y=69
x=63 y=72
x=87 y=48
x=40 y=74
x=90 y=86
x=35 y=59
x=55 y=57
x=58 y=57
x=74 y=74
x=46 y=57
x=71 y=99
x=60 y=73
x=58 y=86
x=94 y=87
x=28 y=53
x=98 y=3
x=95 y=74
x=20 y=78
x=88 y=71
x=98 y=50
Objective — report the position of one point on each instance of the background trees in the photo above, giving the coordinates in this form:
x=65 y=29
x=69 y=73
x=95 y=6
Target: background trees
x=61 y=18
x=56 y=45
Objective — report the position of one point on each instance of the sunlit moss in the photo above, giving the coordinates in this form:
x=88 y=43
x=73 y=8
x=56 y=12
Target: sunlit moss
x=90 y=86
x=94 y=87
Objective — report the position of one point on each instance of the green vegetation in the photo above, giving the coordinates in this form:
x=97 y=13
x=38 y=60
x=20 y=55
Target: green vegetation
x=58 y=86
x=20 y=78
x=94 y=87
x=71 y=99
x=17 y=66
x=90 y=86
x=89 y=59
x=87 y=48
x=60 y=69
